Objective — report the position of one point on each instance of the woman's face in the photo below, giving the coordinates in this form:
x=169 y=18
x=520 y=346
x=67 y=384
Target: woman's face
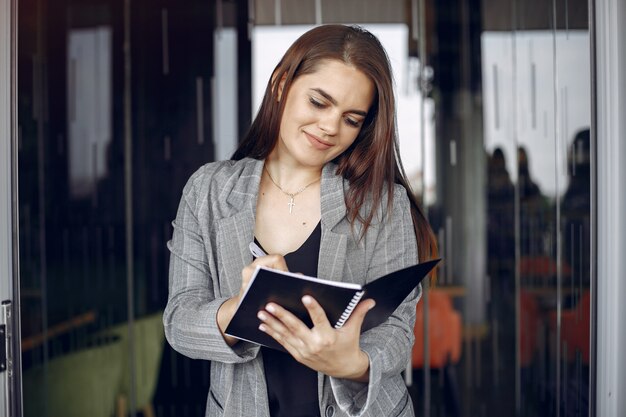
x=323 y=114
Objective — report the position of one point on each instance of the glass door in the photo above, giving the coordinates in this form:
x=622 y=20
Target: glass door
x=115 y=111
x=119 y=101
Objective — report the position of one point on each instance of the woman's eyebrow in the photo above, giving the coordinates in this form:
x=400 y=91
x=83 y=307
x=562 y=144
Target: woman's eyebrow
x=334 y=102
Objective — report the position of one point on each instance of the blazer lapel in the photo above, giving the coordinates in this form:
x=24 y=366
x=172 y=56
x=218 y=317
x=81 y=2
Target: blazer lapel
x=234 y=234
x=333 y=244
x=236 y=231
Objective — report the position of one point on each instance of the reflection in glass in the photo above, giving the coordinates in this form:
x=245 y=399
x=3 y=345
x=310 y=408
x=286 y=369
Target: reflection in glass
x=519 y=101
x=89 y=107
x=75 y=241
x=536 y=121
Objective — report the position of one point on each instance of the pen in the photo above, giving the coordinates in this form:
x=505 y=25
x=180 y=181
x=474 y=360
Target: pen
x=257 y=252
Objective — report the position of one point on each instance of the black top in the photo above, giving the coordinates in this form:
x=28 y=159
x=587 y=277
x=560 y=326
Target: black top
x=291 y=386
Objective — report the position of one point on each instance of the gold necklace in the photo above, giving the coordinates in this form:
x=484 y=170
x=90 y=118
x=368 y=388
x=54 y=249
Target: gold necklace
x=291 y=204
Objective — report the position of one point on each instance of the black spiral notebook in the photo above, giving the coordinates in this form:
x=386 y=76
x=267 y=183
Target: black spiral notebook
x=338 y=299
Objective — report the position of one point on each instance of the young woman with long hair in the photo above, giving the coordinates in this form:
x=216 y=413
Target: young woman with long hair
x=318 y=183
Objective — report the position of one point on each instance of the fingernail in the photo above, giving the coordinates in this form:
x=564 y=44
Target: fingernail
x=270 y=308
x=262 y=327
x=261 y=315
x=307 y=300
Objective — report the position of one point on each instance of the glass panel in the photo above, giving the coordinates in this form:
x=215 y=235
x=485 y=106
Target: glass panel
x=502 y=166
x=574 y=229
x=550 y=108
x=103 y=157
x=494 y=116
x=529 y=353
x=72 y=245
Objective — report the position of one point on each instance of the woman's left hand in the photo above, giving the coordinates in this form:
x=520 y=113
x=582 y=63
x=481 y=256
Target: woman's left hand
x=334 y=352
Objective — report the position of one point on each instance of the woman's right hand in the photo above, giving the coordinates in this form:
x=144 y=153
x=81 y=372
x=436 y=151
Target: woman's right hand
x=227 y=310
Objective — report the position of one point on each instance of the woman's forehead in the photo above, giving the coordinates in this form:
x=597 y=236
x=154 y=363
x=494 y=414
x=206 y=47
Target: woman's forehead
x=340 y=84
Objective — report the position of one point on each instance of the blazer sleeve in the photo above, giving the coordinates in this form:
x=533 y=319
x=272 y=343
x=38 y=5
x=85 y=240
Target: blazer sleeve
x=190 y=317
x=388 y=345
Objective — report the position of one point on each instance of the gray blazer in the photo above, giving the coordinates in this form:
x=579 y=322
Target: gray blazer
x=209 y=248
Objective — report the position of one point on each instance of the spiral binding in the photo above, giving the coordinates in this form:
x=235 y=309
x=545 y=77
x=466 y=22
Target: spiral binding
x=348 y=311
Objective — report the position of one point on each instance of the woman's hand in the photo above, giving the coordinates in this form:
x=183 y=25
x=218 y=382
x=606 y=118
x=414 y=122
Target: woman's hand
x=227 y=310
x=334 y=352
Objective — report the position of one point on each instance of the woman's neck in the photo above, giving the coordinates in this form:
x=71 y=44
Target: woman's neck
x=289 y=174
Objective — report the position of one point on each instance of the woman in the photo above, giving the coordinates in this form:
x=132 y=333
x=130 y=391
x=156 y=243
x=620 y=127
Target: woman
x=318 y=184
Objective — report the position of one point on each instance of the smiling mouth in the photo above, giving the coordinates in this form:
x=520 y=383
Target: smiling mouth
x=317 y=142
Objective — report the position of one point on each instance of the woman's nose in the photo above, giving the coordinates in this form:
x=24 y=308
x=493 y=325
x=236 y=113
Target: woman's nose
x=329 y=123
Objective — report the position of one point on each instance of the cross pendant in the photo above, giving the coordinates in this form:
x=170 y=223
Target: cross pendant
x=291 y=204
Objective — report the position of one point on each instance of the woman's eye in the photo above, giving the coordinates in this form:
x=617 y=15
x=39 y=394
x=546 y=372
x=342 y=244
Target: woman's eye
x=316 y=103
x=352 y=122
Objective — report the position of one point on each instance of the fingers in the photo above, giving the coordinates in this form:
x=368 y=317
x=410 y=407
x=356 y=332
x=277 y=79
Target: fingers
x=316 y=312
x=359 y=313
x=270 y=261
x=335 y=352
x=283 y=321
x=293 y=334
x=283 y=326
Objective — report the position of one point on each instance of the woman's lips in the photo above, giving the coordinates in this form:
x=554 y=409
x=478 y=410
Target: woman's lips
x=318 y=143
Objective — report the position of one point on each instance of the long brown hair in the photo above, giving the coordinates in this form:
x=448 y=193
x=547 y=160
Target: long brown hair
x=372 y=164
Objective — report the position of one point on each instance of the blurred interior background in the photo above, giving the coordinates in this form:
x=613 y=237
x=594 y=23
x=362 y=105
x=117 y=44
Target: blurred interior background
x=119 y=101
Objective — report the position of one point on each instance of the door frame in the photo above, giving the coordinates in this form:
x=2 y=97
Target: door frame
x=10 y=377
x=608 y=345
